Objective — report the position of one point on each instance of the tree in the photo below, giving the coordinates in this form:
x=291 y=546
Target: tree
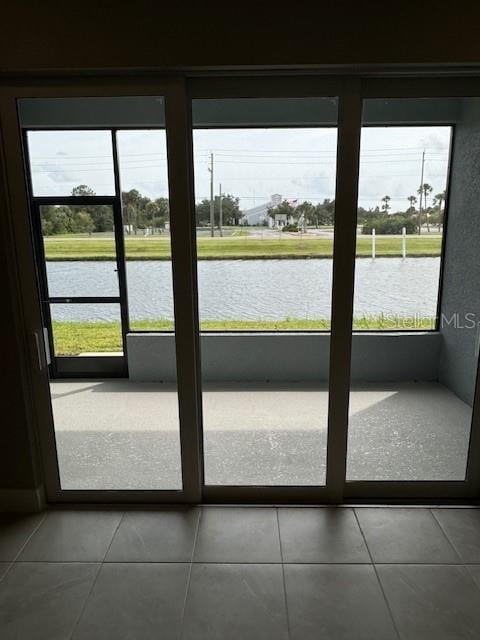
x=83 y=190
x=423 y=190
x=306 y=211
x=364 y=215
x=283 y=209
x=157 y=213
x=325 y=212
x=231 y=213
x=102 y=217
x=386 y=203
x=82 y=222
x=55 y=220
x=438 y=200
x=413 y=201
x=134 y=206
x=138 y=211
x=389 y=225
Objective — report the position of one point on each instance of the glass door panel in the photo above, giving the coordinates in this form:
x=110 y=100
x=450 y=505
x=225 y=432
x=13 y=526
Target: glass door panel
x=415 y=342
x=101 y=219
x=264 y=191
x=146 y=224
x=80 y=252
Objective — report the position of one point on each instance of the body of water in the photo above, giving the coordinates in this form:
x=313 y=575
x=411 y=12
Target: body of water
x=249 y=289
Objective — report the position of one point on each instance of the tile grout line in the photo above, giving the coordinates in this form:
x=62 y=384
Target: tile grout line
x=445 y=536
x=189 y=575
x=94 y=581
x=387 y=603
x=218 y=562
x=12 y=563
x=470 y=575
x=22 y=548
x=113 y=537
x=462 y=563
x=289 y=634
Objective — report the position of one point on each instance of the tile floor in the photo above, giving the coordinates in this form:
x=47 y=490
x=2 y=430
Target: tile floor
x=241 y=573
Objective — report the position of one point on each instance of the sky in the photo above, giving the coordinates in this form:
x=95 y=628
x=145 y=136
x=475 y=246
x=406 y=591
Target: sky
x=251 y=164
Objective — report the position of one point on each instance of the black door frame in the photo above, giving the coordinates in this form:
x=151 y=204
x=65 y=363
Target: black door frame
x=73 y=366
x=84 y=366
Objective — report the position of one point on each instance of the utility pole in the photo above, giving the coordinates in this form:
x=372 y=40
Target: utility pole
x=220 y=213
x=212 y=202
x=421 y=196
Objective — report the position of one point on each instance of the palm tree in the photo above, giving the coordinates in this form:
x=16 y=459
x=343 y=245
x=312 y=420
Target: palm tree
x=423 y=190
x=386 y=203
x=427 y=189
x=412 y=200
x=438 y=200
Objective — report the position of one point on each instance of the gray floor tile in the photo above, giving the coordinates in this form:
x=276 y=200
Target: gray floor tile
x=432 y=602
x=462 y=527
x=405 y=536
x=155 y=536
x=474 y=570
x=321 y=535
x=336 y=602
x=237 y=602
x=15 y=529
x=238 y=534
x=42 y=600
x=141 y=601
x=70 y=536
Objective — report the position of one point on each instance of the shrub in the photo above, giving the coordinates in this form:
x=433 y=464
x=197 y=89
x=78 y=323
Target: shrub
x=293 y=228
x=389 y=225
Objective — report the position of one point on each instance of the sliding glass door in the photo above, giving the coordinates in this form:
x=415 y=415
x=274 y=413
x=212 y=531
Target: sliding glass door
x=254 y=289
x=416 y=307
x=301 y=202
x=104 y=220
x=266 y=175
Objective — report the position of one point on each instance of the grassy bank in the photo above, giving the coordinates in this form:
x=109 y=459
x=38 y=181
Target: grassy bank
x=72 y=338
x=236 y=248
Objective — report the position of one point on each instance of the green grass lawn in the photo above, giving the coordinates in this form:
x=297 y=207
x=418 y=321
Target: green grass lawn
x=231 y=248
x=73 y=338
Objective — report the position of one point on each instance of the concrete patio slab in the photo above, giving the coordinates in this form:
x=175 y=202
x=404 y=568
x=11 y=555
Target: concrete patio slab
x=117 y=434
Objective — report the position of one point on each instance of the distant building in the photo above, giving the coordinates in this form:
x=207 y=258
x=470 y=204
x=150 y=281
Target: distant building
x=258 y=216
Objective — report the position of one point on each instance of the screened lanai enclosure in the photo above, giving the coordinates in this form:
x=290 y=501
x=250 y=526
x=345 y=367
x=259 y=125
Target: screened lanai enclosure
x=257 y=290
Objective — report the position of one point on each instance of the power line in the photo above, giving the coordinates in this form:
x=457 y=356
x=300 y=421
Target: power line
x=73 y=168
x=242 y=151
x=306 y=155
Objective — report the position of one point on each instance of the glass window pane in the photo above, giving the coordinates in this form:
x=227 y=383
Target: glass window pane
x=66 y=163
x=92 y=328
x=80 y=253
x=412 y=390
x=116 y=434
x=146 y=219
x=400 y=226
x=111 y=434
x=265 y=188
